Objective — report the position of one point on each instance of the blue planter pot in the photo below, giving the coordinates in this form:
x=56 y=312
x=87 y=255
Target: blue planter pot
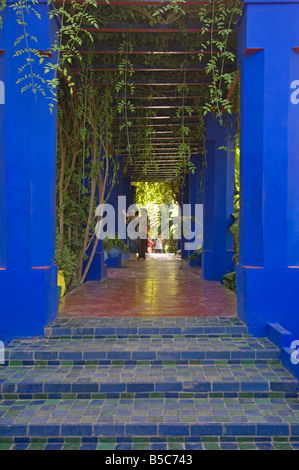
x=113 y=262
x=114 y=253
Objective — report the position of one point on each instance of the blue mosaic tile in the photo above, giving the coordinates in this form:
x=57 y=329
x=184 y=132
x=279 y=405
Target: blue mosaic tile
x=272 y=429
x=206 y=430
x=174 y=430
x=20 y=447
x=42 y=430
x=194 y=446
x=13 y=430
x=109 y=430
x=241 y=429
x=185 y=387
x=54 y=447
x=141 y=430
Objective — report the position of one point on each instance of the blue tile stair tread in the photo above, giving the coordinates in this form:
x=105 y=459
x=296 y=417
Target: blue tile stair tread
x=220 y=344
x=196 y=378
x=177 y=325
x=147 y=417
x=145 y=321
x=112 y=367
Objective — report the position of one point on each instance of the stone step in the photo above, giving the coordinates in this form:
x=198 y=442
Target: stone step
x=100 y=327
x=155 y=418
x=130 y=350
x=142 y=381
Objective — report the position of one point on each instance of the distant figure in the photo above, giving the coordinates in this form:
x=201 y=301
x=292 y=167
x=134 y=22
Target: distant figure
x=132 y=243
x=151 y=245
x=159 y=244
x=142 y=238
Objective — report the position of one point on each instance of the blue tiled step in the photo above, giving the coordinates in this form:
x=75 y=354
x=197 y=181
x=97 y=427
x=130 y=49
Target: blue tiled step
x=205 y=379
x=151 y=443
x=182 y=349
x=152 y=418
x=145 y=326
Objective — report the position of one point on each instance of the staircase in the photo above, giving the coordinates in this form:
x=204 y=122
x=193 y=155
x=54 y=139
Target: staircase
x=147 y=383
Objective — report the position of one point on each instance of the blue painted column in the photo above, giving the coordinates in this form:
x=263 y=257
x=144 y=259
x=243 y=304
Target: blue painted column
x=117 y=191
x=268 y=272
x=28 y=276
x=196 y=190
x=218 y=252
x=185 y=200
x=127 y=190
x=98 y=268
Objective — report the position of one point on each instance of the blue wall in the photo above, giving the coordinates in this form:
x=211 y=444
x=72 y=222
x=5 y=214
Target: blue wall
x=98 y=270
x=218 y=250
x=28 y=276
x=196 y=188
x=268 y=272
x=185 y=199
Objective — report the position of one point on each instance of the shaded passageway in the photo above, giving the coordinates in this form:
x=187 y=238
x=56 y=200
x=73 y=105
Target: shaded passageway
x=161 y=286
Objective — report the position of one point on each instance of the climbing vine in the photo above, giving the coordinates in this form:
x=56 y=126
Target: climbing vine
x=107 y=103
x=86 y=167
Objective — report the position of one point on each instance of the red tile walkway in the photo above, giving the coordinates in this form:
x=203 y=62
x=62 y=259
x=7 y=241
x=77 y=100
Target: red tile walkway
x=161 y=286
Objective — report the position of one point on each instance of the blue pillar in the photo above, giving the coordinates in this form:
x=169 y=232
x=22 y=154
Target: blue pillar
x=218 y=251
x=98 y=269
x=268 y=272
x=117 y=190
x=196 y=198
x=28 y=276
x=185 y=200
x=127 y=190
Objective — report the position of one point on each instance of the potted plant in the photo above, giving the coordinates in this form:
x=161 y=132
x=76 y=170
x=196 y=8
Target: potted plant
x=114 y=248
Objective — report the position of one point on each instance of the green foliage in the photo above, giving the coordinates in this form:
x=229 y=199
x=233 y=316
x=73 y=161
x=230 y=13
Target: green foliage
x=218 y=19
x=213 y=48
x=29 y=79
x=235 y=226
x=66 y=260
x=153 y=193
x=171 y=245
x=229 y=281
x=150 y=195
x=2 y=7
x=96 y=122
x=110 y=242
x=194 y=253
x=86 y=168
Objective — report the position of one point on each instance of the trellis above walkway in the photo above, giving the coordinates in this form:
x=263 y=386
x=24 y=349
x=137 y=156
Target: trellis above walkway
x=160 y=73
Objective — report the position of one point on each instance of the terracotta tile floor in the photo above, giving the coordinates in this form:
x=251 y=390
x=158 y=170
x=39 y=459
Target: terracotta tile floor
x=161 y=286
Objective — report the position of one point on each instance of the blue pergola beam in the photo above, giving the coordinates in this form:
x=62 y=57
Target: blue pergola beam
x=138 y=2
x=145 y=28
x=164 y=97
x=148 y=68
x=164 y=82
x=144 y=50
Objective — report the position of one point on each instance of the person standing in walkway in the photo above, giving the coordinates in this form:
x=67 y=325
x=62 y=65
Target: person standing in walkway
x=132 y=243
x=159 y=244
